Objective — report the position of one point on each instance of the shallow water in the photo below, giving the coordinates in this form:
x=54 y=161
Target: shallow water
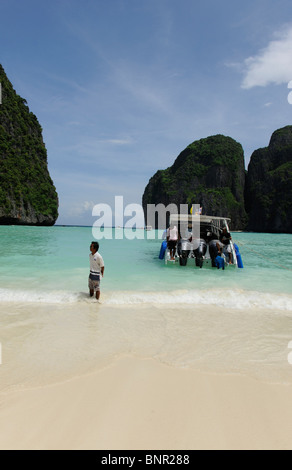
x=51 y=264
x=232 y=321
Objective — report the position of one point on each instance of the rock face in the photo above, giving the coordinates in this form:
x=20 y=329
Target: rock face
x=209 y=172
x=268 y=191
x=27 y=193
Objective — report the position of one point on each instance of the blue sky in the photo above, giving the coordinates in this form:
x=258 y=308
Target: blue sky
x=121 y=87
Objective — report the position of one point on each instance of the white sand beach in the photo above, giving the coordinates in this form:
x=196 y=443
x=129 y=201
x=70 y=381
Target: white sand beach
x=142 y=404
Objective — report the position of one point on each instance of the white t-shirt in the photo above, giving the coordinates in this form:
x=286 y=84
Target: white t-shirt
x=172 y=233
x=96 y=263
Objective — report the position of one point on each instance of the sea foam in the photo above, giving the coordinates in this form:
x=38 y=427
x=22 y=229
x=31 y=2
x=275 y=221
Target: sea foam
x=52 y=297
x=232 y=298
x=225 y=298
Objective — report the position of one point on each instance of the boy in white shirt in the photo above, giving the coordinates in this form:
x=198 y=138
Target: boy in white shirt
x=96 y=270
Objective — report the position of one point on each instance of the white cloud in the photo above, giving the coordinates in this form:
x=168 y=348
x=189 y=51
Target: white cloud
x=273 y=64
x=116 y=141
x=81 y=208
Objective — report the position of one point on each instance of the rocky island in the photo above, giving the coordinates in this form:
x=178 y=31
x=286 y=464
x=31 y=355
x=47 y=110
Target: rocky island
x=27 y=193
x=209 y=172
x=268 y=190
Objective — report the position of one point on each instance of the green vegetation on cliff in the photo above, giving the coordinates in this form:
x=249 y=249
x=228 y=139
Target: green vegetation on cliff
x=209 y=172
x=268 y=192
x=27 y=193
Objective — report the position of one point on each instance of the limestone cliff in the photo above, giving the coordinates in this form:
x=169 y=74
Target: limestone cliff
x=27 y=193
x=268 y=191
x=209 y=172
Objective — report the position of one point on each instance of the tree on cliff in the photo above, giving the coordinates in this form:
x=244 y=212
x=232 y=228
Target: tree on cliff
x=209 y=172
x=268 y=191
x=27 y=193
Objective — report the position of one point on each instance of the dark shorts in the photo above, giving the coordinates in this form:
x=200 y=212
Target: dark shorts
x=171 y=244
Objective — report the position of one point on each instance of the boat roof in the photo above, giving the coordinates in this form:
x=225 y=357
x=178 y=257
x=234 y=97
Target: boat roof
x=196 y=218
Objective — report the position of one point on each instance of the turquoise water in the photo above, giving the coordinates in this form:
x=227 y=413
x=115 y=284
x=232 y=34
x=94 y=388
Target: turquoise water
x=233 y=321
x=52 y=263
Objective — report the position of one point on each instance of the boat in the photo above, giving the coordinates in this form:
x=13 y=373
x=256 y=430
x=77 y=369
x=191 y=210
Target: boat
x=148 y=227
x=199 y=243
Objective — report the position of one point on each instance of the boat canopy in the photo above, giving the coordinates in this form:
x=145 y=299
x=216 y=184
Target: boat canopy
x=202 y=226
x=188 y=218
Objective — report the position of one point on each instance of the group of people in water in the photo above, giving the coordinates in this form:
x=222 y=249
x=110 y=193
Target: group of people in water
x=223 y=245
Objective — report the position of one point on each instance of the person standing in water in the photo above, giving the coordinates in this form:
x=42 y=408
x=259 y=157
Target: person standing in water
x=225 y=238
x=172 y=238
x=96 y=270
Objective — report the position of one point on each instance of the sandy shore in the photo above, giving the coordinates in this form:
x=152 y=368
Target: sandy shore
x=141 y=404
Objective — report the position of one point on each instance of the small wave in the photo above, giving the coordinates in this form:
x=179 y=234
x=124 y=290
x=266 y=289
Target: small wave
x=226 y=298
x=234 y=299
x=54 y=297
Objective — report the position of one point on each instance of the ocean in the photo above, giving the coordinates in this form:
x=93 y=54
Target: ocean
x=237 y=321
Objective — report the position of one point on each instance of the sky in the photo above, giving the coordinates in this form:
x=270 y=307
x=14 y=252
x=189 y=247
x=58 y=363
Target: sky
x=121 y=87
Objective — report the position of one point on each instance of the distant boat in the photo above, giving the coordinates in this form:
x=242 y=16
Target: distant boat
x=148 y=227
